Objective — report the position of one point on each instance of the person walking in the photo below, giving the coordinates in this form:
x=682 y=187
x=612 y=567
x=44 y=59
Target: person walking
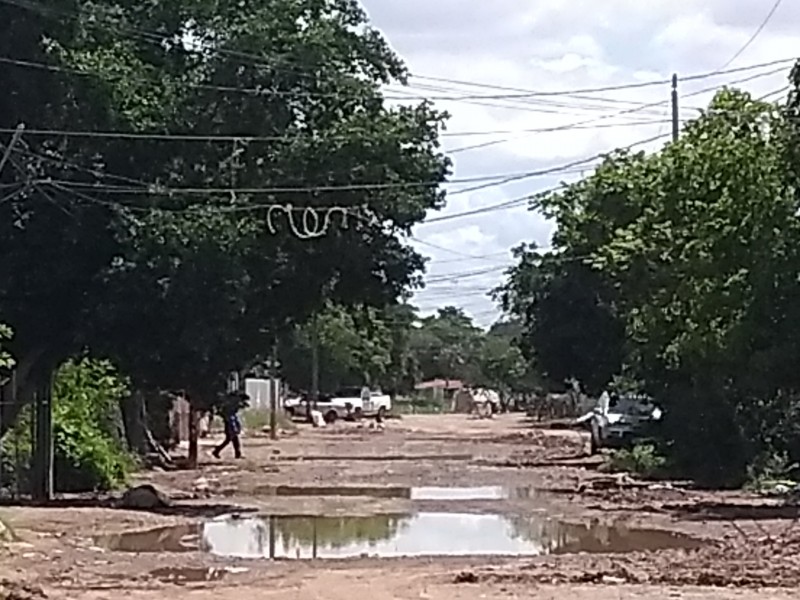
x=233 y=428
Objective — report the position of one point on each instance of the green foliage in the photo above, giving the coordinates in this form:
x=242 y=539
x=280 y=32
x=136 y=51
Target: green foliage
x=394 y=349
x=356 y=345
x=416 y=405
x=768 y=469
x=447 y=346
x=503 y=366
x=570 y=329
x=89 y=452
x=6 y=361
x=179 y=288
x=678 y=270
x=257 y=420
x=356 y=339
x=642 y=459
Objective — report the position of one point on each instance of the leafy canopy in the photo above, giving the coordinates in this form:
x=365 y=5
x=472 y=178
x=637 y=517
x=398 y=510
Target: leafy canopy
x=680 y=269
x=180 y=287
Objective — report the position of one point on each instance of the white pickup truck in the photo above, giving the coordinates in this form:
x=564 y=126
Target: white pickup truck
x=354 y=403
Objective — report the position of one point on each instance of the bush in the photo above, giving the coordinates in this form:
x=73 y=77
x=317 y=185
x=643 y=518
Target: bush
x=768 y=469
x=89 y=451
x=642 y=459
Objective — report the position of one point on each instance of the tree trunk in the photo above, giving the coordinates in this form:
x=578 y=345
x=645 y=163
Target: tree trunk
x=193 y=437
x=134 y=417
x=27 y=378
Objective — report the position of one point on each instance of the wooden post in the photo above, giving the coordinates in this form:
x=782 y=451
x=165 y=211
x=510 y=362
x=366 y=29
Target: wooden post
x=42 y=490
x=274 y=390
x=193 y=443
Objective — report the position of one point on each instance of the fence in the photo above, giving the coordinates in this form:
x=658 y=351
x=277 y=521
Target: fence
x=26 y=447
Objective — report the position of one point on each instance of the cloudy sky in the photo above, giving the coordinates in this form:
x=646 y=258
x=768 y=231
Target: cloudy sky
x=555 y=46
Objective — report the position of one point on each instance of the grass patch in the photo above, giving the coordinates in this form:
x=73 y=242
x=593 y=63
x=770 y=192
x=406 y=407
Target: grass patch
x=255 y=419
x=642 y=459
x=416 y=406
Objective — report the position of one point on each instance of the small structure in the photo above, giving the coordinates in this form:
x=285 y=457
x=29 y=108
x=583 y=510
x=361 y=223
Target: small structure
x=261 y=392
x=442 y=391
x=179 y=420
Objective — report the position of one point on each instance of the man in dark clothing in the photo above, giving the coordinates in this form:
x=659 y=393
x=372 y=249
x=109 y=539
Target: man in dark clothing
x=233 y=428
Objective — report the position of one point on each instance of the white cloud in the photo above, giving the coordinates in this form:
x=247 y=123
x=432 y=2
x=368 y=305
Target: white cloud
x=553 y=46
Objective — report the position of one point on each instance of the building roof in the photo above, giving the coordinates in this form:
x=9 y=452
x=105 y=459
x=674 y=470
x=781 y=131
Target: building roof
x=440 y=384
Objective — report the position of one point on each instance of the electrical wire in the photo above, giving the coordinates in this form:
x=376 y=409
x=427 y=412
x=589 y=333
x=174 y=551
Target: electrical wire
x=136 y=135
x=618 y=114
x=755 y=35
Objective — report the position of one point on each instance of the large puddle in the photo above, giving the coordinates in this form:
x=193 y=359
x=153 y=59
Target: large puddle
x=420 y=534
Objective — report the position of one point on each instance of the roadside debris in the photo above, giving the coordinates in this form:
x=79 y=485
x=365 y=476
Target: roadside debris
x=13 y=590
x=145 y=496
x=6 y=535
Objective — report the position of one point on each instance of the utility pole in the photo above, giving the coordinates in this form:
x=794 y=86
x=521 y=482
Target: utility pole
x=314 y=369
x=274 y=391
x=42 y=490
x=675 y=126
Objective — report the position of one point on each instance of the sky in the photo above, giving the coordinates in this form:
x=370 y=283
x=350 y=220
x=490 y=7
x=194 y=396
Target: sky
x=558 y=46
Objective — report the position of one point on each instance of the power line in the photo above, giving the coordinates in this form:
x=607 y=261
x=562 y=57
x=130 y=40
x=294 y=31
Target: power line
x=450 y=250
x=756 y=33
x=620 y=113
x=187 y=137
x=618 y=87
x=532 y=94
x=522 y=95
x=153 y=189
x=507 y=204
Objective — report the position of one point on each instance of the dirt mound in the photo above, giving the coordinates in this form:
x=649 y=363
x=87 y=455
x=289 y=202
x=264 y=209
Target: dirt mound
x=773 y=562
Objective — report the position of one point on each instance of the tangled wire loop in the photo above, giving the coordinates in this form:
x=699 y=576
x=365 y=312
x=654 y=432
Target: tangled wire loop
x=310 y=223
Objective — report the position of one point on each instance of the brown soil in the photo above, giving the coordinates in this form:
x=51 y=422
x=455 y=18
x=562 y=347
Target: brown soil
x=751 y=542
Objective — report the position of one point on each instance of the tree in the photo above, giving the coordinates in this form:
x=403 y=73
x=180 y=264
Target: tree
x=354 y=348
x=503 y=366
x=179 y=287
x=403 y=370
x=570 y=329
x=696 y=249
x=447 y=345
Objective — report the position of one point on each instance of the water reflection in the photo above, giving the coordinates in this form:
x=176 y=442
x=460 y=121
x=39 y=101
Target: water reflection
x=489 y=492
x=426 y=534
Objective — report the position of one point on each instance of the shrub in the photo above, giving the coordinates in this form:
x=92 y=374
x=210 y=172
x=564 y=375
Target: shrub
x=768 y=469
x=89 y=451
x=641 y=459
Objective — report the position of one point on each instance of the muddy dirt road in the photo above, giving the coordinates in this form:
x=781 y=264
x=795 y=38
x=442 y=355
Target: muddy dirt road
x=432 y=507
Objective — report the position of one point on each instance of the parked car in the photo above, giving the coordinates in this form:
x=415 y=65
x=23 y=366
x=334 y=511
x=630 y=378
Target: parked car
x=618 y=421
